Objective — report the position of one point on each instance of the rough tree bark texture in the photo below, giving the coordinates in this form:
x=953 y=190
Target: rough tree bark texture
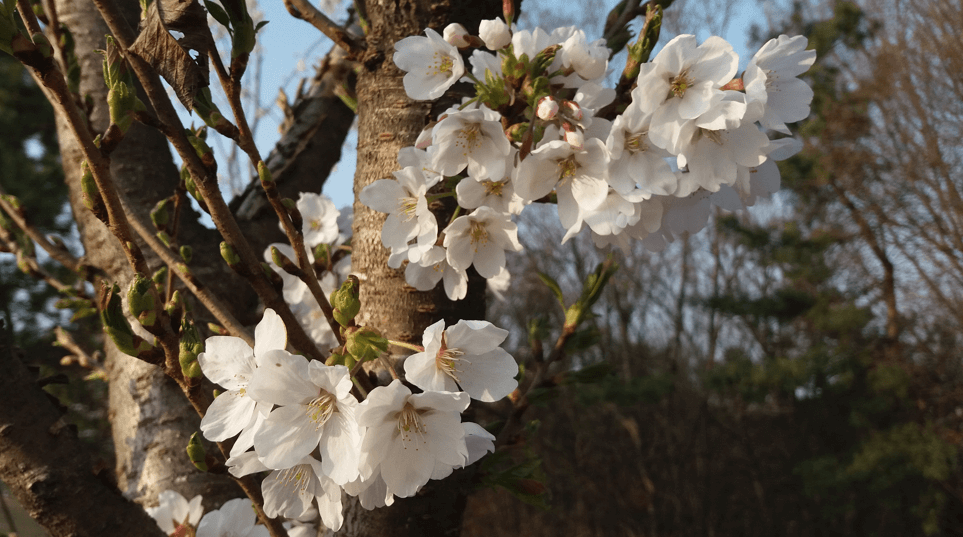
x=388 y=121
x=48 y=469
x=150 y=417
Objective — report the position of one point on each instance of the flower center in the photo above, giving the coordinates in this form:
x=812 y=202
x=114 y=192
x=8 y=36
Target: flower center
x=407 y=208
x=469 y=136
x=442 y=65
x=478 y=233
x=315 y=224
x=713 y=136
x=410 y=423
x=567 y=168
x=321 y=407
x=493 y=188
x=298 y=477
x=679 y=84
x=447 y=361
x=635 y=143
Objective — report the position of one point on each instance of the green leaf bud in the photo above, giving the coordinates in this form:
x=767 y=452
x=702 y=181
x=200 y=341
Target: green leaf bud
x=196 y=453
x=229 y=255
x=345 y=301
x=190 y=346
x=160 y=215
x=187 y=253
x=141 y=301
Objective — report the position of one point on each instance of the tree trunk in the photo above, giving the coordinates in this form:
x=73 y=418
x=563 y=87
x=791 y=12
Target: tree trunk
x=388 y=121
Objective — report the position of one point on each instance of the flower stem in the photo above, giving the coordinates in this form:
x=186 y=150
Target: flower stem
x=417 y=348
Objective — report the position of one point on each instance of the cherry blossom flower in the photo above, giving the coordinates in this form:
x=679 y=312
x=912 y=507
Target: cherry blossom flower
x=320 y=219
x=229 y=362
x=635 y=160
x=480 y=239
x=289 y=492
x=589 y=60
x=408 y=435
x=315 y=410
x=466 y=355
x=579 y=177
x=174 y=511
x=434 y=267
x=682 y=80
x=432 y=65
x=770 y=79
x=235 y=518
x=472 y=138
x=403 y=198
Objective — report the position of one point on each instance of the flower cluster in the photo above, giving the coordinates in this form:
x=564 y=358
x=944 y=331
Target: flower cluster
x=543 y=128
x=301 y=421
x=236 y=518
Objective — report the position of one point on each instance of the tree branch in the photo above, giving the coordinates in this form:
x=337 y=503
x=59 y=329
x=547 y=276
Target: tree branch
x=302 y=9
x=49 y=470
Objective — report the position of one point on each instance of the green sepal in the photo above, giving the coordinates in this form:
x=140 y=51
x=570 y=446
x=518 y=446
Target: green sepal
x=365 y=343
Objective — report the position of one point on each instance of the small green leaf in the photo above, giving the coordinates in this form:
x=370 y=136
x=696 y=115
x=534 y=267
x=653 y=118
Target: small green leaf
x=553 y=286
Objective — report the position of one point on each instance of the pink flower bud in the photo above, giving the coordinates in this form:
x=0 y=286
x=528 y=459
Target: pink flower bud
x=574 y=137
x=572 y=110
x=456 y=34
x=547 y=108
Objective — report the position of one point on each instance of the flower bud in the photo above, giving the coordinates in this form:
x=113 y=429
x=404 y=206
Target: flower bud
x=282 y=261
x=141 y=301
x=187 y=253
x=292 y=207
x=495 y=33
x=365 y=343
x=456 y=34
x=229 y=255
x=572 y=109
x=118 y=328
x=196 y=453
x=574 y=137
x=190 y=346
x=160 y=215
x=345 y=301
x=547 y=108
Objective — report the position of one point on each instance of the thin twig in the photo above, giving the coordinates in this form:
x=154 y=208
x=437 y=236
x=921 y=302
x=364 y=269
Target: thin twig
x=245 y=141
x=53 y=79
x=58 y=254
x=205 y=180
x=302 y=9
x=202 y=292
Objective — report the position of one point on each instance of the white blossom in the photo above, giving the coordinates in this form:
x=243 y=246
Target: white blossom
x=432 y=65
x=407 y=435
x=235 y=518
x=495 y=33
x=174 y=511
x=480 y=239
x=231 y=363
x=467 y=355
x=770 y=79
